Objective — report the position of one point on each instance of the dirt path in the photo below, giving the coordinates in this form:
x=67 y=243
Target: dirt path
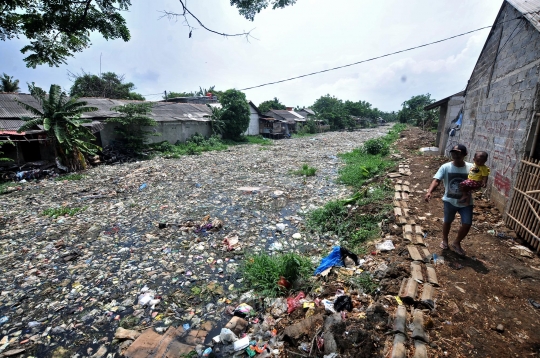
x=489 y=287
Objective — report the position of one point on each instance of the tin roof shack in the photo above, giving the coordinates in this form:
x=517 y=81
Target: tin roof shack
x=306 y=113
x=291 y=118
x=450 y=113
x=501 y=98
x=176 y=122
x=32 y=145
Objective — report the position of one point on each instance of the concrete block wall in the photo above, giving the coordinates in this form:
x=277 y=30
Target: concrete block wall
x=169 y=131
x=498 y=110
x=454 y=106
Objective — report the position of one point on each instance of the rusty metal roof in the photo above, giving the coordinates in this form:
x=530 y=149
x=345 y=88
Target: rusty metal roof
x=530 y=9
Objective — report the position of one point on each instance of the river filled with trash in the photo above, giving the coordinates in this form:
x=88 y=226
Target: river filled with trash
x=154 y=243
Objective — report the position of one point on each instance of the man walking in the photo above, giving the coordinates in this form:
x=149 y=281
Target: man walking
x=453 y=173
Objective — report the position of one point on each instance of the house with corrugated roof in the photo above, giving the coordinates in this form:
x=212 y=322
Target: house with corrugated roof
x=289 y=118
x=306 y=113
x=175 y=122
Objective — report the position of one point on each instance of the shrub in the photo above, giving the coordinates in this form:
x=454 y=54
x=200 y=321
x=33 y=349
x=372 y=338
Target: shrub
x=306 y=171
x=131 y=127
x=61 y=211
x=262 y=272
x=376 y=146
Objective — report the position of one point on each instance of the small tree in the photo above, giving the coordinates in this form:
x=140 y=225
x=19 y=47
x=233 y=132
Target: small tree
x=271 y=104
x=235 y=114
x=133 y=137
x=2 y=159
x=107 y=85
x=412 y=111
x=7 y=84
x=60 y=117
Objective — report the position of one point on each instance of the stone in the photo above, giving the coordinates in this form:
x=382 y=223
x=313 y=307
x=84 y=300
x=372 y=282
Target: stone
x=297 y=236
x=305 y=326
x=122 y=333
x=237 y=325
x=280 y=227
x=500 y=328
x=152 y=345
x=100 y=352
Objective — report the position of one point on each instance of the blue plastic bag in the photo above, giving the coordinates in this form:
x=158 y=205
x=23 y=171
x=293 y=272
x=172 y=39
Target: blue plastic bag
x=333 y=259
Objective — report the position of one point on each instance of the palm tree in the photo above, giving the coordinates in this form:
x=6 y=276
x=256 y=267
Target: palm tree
x=8 y=85
x=60 y=116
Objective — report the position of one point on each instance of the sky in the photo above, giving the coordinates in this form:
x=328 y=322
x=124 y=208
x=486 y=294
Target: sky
x=310 y=36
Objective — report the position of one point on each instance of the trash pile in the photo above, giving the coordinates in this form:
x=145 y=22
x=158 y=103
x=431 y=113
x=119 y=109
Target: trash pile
x=157 y=244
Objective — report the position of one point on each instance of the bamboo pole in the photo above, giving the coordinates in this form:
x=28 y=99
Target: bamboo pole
x=533 y=183
x=535 y=224
x=515 y=200
x=526 y=215
x=523 y=184
x=526 y=229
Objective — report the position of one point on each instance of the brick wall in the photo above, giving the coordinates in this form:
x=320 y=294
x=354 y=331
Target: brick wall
x=499 y=106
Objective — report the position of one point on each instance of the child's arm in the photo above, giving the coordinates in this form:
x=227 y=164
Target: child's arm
x=484 y=181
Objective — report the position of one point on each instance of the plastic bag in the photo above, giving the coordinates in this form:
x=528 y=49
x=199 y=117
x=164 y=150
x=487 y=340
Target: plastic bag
x=343 y=303
x=294 y=302
x=242 y=310
x=386 y=245
x=333 y=259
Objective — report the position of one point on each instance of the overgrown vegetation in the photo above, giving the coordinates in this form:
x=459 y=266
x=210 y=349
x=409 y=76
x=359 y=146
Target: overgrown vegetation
x=60 y=117
x=368 y=160
x=356 y=220
x=62 y=211
x=353 y=227
x=5 y=185
x=2 y=143
x=306 y=170
x=233 y=119
x=193 y=146
x=262 y=272
x=363 y=282
x=131 y=128
x=258 y=139
x=70 y=177
x=412 y=112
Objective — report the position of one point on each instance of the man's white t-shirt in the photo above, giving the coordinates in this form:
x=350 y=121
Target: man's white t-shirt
x=452 y=177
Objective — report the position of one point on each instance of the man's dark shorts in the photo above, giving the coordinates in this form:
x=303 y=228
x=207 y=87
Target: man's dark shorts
x=466 y=213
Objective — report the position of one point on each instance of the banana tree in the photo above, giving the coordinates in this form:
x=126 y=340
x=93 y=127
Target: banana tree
x=60 y=116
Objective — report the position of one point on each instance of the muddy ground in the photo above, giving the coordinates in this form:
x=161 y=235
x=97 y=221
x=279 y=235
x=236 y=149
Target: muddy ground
x=490 y=286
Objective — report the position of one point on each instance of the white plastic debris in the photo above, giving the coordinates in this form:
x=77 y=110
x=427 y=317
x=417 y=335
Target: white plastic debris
x=386 y=245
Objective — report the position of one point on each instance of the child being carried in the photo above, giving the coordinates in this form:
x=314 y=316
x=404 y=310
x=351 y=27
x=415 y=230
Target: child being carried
x=477 y=178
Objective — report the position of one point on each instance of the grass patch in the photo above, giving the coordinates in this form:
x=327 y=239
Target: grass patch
x=364 y=282
x=4 y=186
x=193 y=146
x=302 y=135
x=198 y=144
x=354 y=228
x=258 y=139
x=368 y=160
x=306 y=171
x=62 y=211
x=70 y=177
x=262 y=272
